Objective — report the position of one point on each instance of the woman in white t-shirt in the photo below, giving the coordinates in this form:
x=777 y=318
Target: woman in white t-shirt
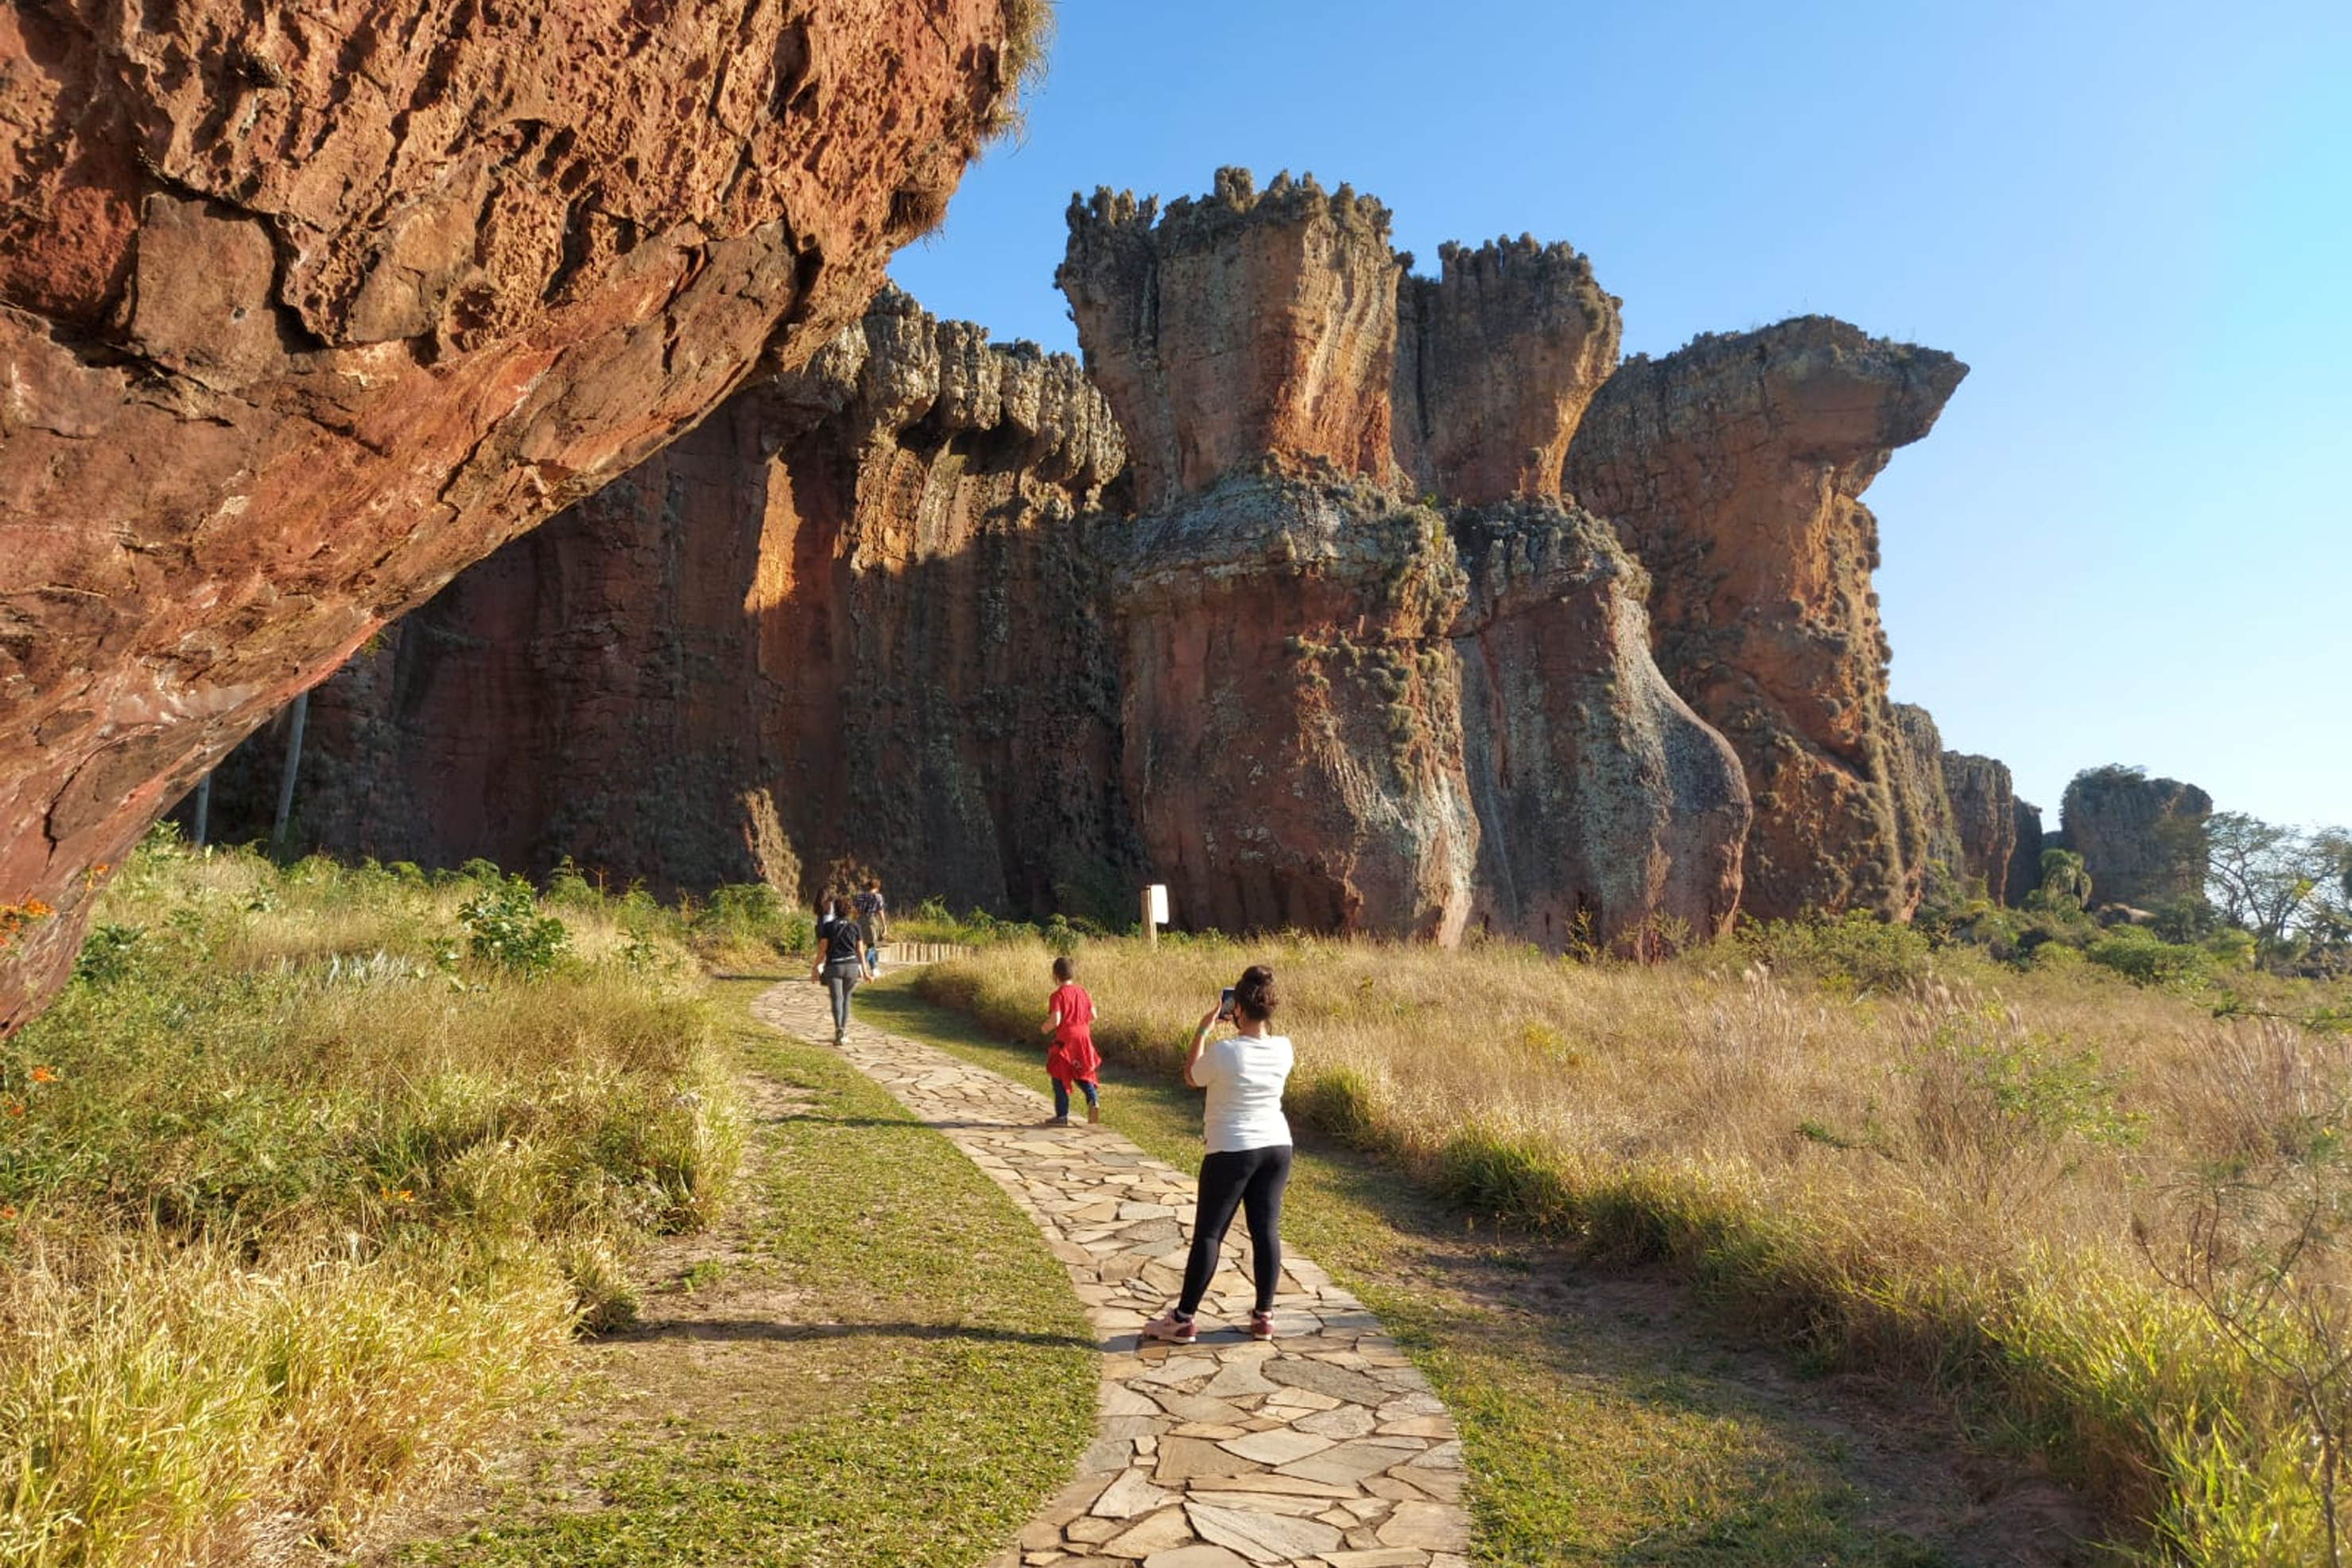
x=1249 y=1160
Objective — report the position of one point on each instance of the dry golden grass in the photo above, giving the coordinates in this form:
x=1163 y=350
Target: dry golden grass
x=296 y=1195
x=1938 y=1174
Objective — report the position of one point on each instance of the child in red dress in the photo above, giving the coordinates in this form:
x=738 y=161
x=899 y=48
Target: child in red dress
x=1072 y=1058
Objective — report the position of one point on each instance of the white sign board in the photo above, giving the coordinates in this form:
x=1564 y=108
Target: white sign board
x=1156 y=902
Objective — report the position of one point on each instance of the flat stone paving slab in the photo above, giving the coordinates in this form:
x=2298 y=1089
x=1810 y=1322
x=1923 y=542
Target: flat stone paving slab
x=1325 y=1448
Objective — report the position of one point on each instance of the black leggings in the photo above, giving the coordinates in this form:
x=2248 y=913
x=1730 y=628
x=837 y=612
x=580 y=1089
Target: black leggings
x=841 y=978
x=1252 y=1179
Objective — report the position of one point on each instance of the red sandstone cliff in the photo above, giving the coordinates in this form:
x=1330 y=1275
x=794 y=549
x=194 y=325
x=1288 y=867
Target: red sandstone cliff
x=1300 y=632
x=2142 y=840
x=1733 y=469
x=304 y=309
x=865 y=595
x=1986 y=816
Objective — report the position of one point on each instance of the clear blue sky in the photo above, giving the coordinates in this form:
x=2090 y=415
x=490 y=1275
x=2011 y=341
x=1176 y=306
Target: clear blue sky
x=2128 y=539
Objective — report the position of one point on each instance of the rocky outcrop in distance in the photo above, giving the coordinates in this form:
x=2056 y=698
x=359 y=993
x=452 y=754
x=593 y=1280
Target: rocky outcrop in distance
x=1986 y=819
x=2025 y=860
x=1378 y=739
x=305 y=309
x=2142 y=840
x=859 y=612
x=1733 y=469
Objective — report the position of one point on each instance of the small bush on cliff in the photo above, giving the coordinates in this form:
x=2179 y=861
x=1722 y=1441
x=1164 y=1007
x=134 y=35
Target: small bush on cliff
x=1028 y=50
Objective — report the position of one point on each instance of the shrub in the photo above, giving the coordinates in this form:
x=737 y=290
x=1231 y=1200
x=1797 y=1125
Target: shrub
x=1341 y=1103
x=1511 y=1178
x=505 y=928
x=1999 y=1104
x=2147 y=959
x=752 y=915
x=108 y=953
x=1860 y=951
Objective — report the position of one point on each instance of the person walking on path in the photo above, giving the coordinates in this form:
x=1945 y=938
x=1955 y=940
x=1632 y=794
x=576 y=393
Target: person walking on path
x=1072 y=1058
x=841 y=960
x=875 y=916
x=1249 y=1160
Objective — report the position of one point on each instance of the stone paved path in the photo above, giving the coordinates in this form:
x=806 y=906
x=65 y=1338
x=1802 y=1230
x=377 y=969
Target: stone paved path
x=1323 y=1448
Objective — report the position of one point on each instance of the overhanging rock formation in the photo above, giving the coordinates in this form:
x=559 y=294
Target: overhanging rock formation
x=1733 y=469
x=303 y=308
x=859 y=612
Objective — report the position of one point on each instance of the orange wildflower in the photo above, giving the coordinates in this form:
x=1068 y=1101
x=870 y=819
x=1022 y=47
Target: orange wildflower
x=15 y=1108
x=44 y=1075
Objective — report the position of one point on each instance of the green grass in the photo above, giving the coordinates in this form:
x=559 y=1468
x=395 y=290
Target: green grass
x=933 y=1386
x=297 y=1203
x=1599 y=1443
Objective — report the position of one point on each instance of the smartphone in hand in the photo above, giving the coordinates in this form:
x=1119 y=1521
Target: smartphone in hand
x=1226 y=1003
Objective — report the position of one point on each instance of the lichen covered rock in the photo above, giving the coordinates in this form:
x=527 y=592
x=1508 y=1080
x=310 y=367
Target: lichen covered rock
x=1986 y=819
x=1611 y=816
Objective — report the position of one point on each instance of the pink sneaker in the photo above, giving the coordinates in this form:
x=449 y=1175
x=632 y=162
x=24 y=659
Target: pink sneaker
x=1261 y=1325
x=1171 y=1329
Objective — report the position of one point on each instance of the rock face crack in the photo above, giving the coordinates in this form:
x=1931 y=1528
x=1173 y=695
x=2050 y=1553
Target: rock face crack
x=1323 y=1445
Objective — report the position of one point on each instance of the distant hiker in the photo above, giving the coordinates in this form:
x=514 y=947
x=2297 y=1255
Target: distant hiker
x=841 y=960
x=1248 y=1159
x=1070 y=1018
x=876 y=918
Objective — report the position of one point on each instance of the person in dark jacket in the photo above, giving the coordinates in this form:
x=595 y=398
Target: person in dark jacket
x=841 y=960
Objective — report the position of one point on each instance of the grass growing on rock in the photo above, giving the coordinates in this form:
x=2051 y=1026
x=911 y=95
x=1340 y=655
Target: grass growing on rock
x=1934 y=1171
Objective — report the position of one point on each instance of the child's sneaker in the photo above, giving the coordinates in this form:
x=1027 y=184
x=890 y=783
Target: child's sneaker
x=1171 y=1329
x=1261 y=1325
x=1093 y=1113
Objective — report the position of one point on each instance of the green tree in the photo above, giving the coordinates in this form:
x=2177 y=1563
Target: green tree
x=2291 y=889
x=2066 y=883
